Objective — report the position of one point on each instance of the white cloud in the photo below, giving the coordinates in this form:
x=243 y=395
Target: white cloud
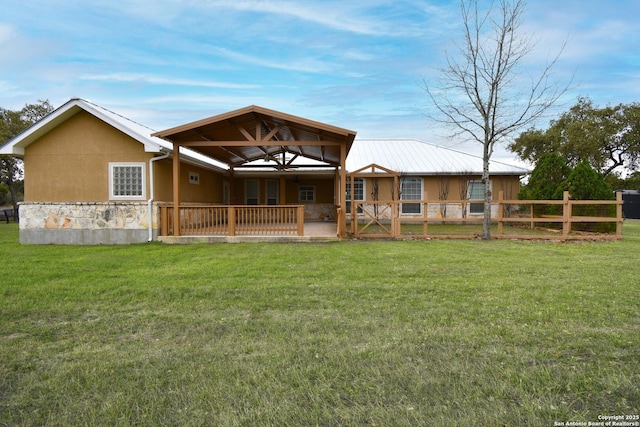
x=157 y=80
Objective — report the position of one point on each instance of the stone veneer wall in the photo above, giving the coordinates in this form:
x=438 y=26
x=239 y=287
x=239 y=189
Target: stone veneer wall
x=319 y=211
x=85 y=223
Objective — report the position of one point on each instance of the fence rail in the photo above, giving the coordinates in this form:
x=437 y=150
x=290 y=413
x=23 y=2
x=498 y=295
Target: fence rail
x=384 y=218
x=232 y=220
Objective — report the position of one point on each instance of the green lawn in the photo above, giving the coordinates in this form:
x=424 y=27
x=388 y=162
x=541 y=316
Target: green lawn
x=386 y=333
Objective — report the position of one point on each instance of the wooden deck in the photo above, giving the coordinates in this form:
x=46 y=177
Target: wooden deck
x=314 y=231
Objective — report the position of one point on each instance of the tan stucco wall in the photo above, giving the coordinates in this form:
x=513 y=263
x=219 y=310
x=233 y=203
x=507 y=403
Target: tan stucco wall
x=209 y=190
x=71 y=162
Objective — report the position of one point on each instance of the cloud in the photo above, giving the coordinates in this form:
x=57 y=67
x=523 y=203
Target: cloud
x=156 y=80
x=308 y=65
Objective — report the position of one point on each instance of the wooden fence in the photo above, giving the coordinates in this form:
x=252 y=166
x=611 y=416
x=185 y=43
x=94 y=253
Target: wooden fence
x=229 y=220
x=512 y=219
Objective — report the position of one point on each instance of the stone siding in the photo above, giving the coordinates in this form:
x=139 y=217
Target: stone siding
x=85 y=223
x=319 y=211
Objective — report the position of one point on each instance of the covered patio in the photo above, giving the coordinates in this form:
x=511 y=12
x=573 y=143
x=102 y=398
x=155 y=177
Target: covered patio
x=260 y=142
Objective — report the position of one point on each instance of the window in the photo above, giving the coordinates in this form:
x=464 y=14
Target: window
x=476 y=191
x=411 y=189
x=358 y=192
x=127 y=181
x=272 y=192
x=307 y=193
x=251 y=191
x=194 y=178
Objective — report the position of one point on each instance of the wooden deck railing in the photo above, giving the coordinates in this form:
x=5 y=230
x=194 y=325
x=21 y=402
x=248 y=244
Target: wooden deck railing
x=233 y=220
x=383 y=218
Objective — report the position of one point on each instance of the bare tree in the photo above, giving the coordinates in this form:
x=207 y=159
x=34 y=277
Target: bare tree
x=443 y=193
x=463 y=186
x=482 y=92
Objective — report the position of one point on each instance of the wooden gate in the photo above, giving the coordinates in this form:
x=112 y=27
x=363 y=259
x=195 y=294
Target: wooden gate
x=373 y=217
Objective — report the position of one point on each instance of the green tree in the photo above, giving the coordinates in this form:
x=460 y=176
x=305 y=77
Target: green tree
x=549 y=174
x=608 y=138
x=631 y=182
x=11 y=124
x=585 y=183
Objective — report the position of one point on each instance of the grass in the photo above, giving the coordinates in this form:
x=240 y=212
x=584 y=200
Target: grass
x=355 y=333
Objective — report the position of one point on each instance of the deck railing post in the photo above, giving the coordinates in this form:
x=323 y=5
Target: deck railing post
x=232 y=221
x=300 y=220
x=164 y=220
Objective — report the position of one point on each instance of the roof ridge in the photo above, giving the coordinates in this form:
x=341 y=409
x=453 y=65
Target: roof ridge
x=115 y=113
x=466 y=153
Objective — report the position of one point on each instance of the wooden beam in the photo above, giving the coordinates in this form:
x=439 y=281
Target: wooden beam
x=262 y=143
x=246 y=134
x=343 y=183
x=272 y=133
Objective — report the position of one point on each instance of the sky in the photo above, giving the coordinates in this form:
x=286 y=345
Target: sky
x=357 y=64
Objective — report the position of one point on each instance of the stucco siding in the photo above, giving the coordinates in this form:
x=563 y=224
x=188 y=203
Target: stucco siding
x=71 y=162
x=207 y=190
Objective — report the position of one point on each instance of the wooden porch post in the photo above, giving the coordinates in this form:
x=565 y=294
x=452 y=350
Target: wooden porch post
x=343 y=183
x=176 y=189
x=231 y=186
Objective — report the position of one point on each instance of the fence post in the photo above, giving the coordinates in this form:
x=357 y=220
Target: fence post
x=500 y=212
x=566 y=215
x=619 y=214
x=425 y=215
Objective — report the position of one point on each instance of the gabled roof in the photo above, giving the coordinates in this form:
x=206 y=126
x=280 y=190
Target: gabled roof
x=242 y=136
x=138 y=132
x=135 y=130
x=415 y=157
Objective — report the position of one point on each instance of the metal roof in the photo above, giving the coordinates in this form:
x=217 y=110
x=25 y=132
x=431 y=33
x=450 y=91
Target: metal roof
x=416 y=157
x=409 y=156
x=137 y=131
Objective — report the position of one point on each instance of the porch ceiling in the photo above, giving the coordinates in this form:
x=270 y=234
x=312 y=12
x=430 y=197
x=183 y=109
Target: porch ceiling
x=254 y=133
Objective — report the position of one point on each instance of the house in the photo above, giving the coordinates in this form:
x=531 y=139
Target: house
x=93 y=176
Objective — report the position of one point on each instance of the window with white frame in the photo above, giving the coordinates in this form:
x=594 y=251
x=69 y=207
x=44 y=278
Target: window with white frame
x=476 y=192
x=194 y=178
x=411 y=189
x=127 y=181
x=358 y=192
x=306 y=193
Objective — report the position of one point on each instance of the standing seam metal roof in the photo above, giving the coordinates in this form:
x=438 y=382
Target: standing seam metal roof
x=412 y=156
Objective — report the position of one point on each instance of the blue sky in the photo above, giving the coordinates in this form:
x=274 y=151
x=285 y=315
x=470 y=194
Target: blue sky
x=350 y=63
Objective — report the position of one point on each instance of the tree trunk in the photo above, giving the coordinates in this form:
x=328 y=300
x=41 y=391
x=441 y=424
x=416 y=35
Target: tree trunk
x=14 y=197
x=486 y=222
